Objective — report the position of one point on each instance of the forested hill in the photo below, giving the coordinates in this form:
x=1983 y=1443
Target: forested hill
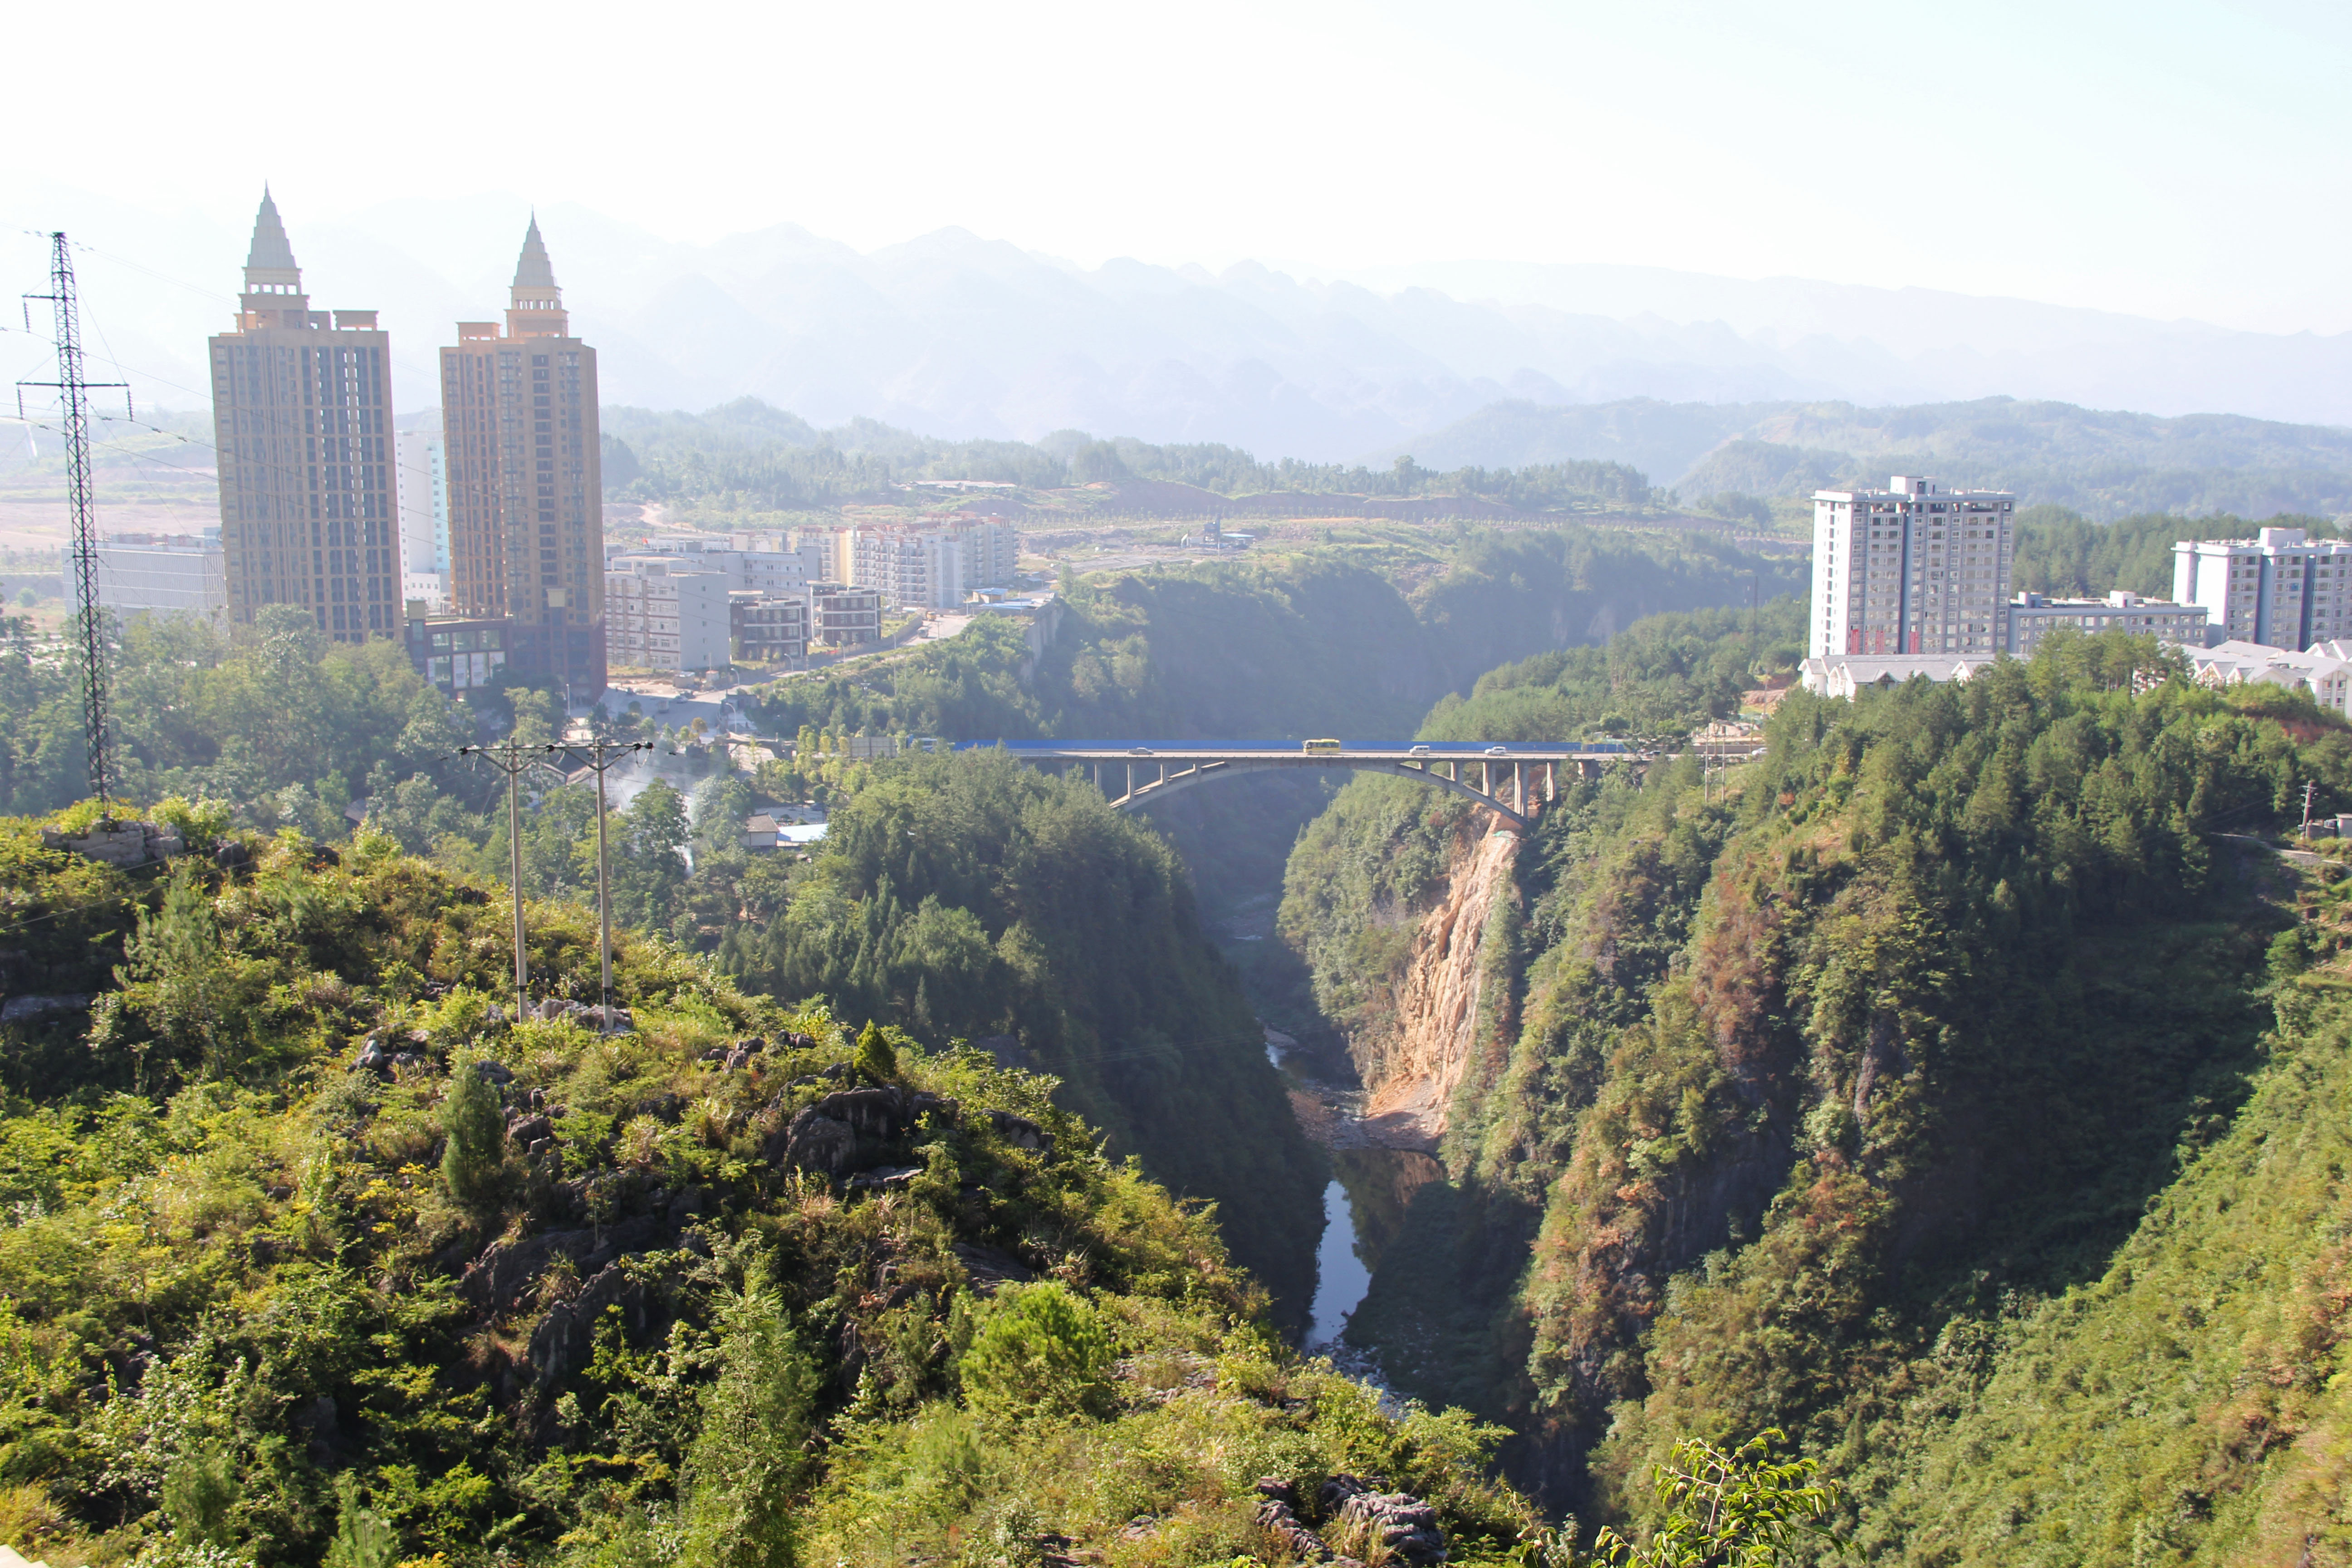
x=2103 y=463
x=313 y=1253
x=1324 y=644
x=1941 y=1092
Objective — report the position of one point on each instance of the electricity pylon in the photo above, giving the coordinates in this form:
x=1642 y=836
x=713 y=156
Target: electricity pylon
x=73 y=399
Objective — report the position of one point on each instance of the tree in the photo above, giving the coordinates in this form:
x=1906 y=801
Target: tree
x=474 y=1150
x=1728 y=1510
x=363 y=1539
x=875 y=1059
x=750 y=1455
x=175 y=976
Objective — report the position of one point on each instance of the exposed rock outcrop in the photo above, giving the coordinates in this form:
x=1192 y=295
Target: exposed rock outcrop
x=853 y=1130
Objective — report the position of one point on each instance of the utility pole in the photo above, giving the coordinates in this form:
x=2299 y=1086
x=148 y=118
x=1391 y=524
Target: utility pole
x=2307 y=791
x=514 y=761
x=73 y=400
x=604 y=754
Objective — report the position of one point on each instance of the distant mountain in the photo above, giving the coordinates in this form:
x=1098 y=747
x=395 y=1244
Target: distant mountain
x=2103 y=463
x=967 y=337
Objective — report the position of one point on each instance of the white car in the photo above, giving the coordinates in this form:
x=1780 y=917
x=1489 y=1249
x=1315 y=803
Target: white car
x=1498 y=750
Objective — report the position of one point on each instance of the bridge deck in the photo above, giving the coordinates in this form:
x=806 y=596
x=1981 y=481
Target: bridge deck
x=1514 y=779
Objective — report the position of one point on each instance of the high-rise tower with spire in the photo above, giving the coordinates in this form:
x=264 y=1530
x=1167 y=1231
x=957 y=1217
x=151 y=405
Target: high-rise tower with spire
x=526 y=487
x=303 y=418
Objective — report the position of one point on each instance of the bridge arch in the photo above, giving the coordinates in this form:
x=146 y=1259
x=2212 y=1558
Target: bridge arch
x=1205 y=771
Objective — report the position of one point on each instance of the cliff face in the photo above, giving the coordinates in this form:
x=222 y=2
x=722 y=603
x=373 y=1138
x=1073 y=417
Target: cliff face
x=1453 y=995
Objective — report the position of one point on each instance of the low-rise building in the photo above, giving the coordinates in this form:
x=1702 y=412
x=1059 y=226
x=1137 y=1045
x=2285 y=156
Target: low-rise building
x=459 y=653
x=2322 y=671
x=661 y=613
x=768 y=628
x=2033 y=617
x=166 y=572
x=1844 y=675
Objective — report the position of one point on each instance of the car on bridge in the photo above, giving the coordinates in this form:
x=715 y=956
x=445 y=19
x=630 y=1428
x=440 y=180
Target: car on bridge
x=1322 y=746
x=1498 y=750
x=1142 y=752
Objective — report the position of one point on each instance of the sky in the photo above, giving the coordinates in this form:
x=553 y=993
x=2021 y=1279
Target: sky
x=2166 y=158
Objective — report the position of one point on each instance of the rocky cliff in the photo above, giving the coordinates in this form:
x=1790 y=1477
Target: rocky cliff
x=1453 y=997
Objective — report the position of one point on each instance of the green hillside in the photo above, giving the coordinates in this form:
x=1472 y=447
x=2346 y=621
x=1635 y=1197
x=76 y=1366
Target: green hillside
x=314 y=1253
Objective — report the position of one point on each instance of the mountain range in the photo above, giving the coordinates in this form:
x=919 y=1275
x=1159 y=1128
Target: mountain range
x=964 y=336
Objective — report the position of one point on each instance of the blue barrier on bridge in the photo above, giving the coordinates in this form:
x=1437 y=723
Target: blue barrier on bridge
x=1442 y=748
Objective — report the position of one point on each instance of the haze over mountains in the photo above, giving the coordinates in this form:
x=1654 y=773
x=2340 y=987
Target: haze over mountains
x=960 y=336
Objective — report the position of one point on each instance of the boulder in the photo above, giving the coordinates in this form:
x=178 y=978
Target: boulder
x=1020 y=1133
x=1402 y=1526
x=527 y=1129
x=1276 y=1514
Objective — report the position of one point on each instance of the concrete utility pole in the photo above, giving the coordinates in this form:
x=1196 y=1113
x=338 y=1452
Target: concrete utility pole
x=2307 y=792
x=515 y=760
x=604 y=754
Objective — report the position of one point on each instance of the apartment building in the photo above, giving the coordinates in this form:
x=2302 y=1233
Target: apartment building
x=661 y=614
x=844 y=615
x=2280 y=588
x=768 y=628
x=1911 y=570
x=2033 y=617
x=933 y=566
x=421 y=461
x=520 y=429
x=302 y=424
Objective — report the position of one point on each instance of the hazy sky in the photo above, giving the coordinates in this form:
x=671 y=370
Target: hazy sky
x=2164 y=157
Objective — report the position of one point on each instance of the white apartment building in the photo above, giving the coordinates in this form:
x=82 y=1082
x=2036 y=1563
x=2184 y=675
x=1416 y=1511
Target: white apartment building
x=178 y=571
x=422 y=486
x=2033 y=617
x=2280 y=588
x=1911 y=570
x=660 y=614
x=933 y=567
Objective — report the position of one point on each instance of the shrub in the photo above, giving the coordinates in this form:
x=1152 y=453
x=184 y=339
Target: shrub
x=1040 y=1351
x=875 y=1059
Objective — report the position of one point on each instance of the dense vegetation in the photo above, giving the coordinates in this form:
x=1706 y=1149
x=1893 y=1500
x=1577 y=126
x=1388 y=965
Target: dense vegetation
x=746 y=455
x=968 y=896
x=2062 y=552
x=1824 y=1100
x=313 y=1253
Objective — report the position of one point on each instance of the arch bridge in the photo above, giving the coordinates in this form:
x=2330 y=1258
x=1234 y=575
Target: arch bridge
x=1515 y=780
